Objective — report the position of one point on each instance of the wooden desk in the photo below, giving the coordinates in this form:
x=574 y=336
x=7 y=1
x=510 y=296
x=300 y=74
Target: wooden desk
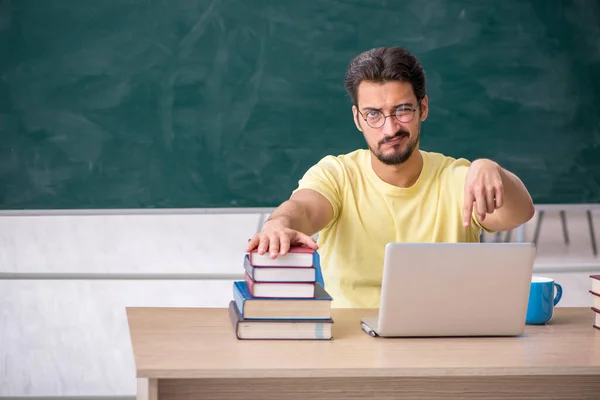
x=193 y=354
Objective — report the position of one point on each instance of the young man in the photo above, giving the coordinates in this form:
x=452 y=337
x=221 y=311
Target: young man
x=393 y=192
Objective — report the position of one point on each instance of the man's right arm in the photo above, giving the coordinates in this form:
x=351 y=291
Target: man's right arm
x=293 y=222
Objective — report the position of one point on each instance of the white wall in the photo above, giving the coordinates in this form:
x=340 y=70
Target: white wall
x=69 y=337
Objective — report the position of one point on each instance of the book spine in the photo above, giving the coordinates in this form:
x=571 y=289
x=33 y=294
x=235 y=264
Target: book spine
x=318 y=273
x=249 y=268
x=239 y=300
x=249 y=283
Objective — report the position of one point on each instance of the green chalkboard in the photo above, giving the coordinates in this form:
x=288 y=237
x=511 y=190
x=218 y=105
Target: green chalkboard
x=189 y=103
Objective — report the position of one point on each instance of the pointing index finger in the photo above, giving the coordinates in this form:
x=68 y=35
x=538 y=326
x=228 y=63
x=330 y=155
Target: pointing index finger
x=468 y=208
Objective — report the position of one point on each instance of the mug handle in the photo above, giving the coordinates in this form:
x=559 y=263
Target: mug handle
x=558 y=293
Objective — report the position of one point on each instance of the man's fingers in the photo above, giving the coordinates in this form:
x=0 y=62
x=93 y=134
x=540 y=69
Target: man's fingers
x=284 y=244
x=252 y=243
x=499 y=196
x=263 y=245
x=278 y=242
x=274 y=245
x=481 y=205
x=307 y=240
x=490 y=200
x=468 y=208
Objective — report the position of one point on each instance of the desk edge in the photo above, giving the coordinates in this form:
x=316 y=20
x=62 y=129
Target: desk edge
x=377 y=372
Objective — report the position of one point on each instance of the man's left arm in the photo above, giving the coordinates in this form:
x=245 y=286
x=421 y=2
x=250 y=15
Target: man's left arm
x=499 y=198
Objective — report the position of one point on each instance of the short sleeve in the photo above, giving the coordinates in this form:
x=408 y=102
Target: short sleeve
x=327 y=178
x=459 y=169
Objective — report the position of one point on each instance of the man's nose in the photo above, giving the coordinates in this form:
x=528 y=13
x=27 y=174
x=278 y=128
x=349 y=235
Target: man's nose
x=390 y=126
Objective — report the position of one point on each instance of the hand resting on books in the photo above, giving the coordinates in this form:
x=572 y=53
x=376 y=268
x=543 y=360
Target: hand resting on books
x=293 y=223
x=277 y=239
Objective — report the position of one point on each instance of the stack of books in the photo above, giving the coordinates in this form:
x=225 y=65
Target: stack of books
x=596 y=299
x=281 y=298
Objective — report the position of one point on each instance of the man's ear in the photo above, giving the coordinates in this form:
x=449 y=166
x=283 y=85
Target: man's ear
x=356 y=120
x=424 y=108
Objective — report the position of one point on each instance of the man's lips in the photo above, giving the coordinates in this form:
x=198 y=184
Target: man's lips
x=395 y=140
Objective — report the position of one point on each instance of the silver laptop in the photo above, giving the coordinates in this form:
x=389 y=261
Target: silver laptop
x=453 y=289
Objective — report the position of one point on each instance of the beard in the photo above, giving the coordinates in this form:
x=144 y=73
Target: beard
x=400 y=153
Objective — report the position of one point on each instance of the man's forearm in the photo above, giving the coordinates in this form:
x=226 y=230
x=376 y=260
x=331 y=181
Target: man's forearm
x=291 y=214
x=517 y=207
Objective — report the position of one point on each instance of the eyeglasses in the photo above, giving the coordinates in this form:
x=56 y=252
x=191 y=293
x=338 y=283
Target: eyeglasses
x=376 y=118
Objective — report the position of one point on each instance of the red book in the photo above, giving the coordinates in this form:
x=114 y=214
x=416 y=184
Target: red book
x=280 y=289
x=297 y=256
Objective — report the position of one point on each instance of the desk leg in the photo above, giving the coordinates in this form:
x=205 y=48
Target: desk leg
x=147 y=389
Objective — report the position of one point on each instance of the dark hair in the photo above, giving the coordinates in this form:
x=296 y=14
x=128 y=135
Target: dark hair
x=385 y=64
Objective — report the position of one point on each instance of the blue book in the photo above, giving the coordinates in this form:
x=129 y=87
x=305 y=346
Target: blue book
x=273 y=329
x=249 y=307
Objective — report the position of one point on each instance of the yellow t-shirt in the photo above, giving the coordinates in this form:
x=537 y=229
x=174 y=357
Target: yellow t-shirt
x=369 y=213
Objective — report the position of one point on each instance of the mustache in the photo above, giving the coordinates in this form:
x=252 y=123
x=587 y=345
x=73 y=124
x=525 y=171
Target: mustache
x=398 y=134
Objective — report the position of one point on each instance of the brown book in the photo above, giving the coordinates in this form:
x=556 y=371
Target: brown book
x=279 y=329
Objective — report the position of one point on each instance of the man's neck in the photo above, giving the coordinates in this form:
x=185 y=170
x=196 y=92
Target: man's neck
x=403 y=175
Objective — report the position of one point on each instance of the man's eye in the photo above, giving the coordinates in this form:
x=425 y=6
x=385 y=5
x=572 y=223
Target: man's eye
x=373 y=114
